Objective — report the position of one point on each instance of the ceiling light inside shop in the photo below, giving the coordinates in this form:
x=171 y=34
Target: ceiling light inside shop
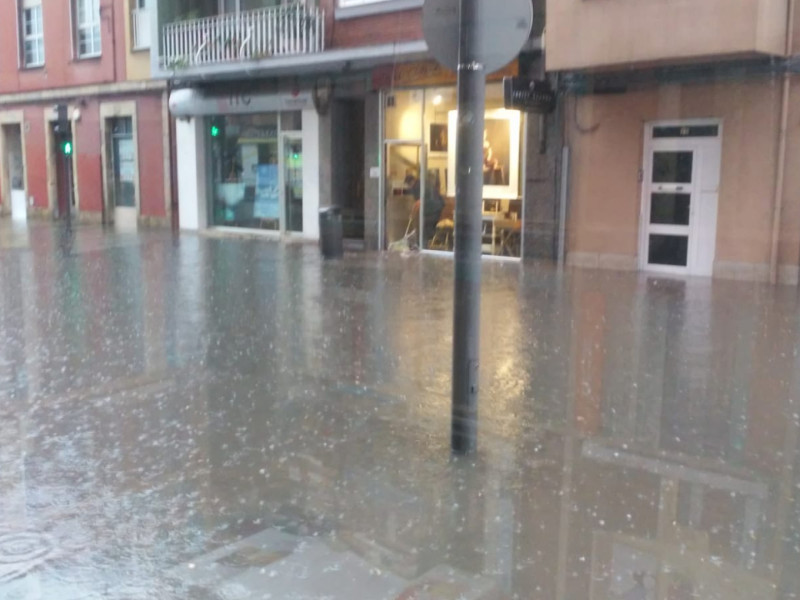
x=437 y=99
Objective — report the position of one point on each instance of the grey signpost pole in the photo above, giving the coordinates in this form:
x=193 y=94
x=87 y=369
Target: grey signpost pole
x=475 y=38
x=468 y=223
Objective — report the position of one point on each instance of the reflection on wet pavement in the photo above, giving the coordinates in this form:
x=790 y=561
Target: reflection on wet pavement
x=226 y=418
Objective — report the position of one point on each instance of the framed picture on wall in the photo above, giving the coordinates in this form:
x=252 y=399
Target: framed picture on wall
x=500 y=154
x=439 y=139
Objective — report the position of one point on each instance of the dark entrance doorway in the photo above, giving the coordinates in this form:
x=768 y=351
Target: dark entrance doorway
x=64 y=205
x=347 y=119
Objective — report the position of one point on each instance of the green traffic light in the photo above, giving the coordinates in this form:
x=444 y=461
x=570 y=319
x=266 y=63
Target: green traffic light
x=214 y=131
x=67 y=148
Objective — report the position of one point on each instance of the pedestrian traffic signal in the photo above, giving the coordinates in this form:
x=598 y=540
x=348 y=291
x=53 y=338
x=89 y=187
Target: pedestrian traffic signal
x=214 y=131
x=66 y=148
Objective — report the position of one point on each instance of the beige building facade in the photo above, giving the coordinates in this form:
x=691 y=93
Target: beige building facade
x=683 y=130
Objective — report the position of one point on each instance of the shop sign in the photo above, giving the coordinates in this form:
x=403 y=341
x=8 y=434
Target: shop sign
x=427 y=73
x=190 y=102
x=529 y=95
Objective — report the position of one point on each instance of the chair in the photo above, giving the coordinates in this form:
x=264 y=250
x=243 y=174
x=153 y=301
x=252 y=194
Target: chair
x=511 y=238
x=444 y=234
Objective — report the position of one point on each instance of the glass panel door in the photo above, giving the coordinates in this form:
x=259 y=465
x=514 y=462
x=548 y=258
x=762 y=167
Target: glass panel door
x=124 y=162
x=293 y=181
x=669 y=207
x=404 y=185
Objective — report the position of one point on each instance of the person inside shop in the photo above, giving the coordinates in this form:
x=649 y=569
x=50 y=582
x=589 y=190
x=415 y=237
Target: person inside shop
x=434 y=202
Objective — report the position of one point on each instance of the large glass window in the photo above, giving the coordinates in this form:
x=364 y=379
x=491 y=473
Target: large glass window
x=248 y=186
x=32 y=34
x=420 y=202
x=88 y=28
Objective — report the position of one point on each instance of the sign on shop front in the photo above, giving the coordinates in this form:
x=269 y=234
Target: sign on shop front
x=427 y=73
x=529 y=95
x=190 y=102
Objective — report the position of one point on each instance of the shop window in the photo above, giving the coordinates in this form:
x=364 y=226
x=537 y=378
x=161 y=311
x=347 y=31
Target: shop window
x=420 y=200
x=291 y=120
x=404 y=115
x=245 y=162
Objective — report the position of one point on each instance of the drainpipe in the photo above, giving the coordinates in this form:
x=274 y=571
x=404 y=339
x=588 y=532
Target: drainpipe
x=781 y=174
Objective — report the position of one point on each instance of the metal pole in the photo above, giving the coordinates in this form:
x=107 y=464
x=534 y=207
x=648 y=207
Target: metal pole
x=468 y=223
x=70 y=190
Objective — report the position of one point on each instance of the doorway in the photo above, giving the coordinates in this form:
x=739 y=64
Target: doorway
x=347 y=173
x=14 y=171
x=62 y=146
x=122 y=172
x=404 y=186
x=679 y=197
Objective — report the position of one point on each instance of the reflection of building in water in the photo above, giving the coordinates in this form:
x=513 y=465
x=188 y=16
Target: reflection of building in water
x=673 y=429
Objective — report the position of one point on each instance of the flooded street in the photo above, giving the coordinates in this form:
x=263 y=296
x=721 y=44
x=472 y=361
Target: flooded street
x=229 y=418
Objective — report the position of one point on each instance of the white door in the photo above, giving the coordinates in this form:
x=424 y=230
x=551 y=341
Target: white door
x=679 y=203
x=15 y=170
x=124 y=173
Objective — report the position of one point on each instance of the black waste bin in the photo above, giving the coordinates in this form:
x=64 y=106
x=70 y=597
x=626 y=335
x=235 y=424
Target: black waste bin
x=331 y=232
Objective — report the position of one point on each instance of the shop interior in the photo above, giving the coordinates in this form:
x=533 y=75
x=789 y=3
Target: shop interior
x=420 y=202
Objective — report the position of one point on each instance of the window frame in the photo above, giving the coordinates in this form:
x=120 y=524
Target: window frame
x=90 y=25
x=37 y=39
x=351 y=9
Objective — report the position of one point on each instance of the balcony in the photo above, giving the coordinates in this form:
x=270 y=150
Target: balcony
x=244 y=36
x=140 y=23
x=591 y=34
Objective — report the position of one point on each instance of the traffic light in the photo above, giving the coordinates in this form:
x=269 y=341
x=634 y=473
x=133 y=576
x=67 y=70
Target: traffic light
x=214 y=131
x=62 y=119
x=66 y=148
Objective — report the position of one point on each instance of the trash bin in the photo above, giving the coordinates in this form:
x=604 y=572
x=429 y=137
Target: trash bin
x=331 y=232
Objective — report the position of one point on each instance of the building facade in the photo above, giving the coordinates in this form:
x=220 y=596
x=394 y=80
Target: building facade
x=112 y=164
x=286 y=107
x=698 y=102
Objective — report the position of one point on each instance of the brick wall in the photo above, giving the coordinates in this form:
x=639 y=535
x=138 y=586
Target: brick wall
x=398 y=26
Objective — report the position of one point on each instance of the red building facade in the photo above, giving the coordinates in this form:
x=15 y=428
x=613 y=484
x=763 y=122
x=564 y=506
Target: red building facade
x=91 y=56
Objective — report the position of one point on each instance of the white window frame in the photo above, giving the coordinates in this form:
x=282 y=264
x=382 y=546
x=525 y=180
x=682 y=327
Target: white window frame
x=36 y=38
x=89 y=25
x=350 y=9
x=140 y=39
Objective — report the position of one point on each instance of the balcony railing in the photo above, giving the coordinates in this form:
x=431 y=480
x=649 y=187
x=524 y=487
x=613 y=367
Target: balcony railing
x=140 y=20
x=248 y=35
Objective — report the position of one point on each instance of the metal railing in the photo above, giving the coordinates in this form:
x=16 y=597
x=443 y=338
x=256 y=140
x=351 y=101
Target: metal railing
x=247 y=35
x=140 y=20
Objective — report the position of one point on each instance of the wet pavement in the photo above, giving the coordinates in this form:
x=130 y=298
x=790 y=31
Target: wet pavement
x=226 y=418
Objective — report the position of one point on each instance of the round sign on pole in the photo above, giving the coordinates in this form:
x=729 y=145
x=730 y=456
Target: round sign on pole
x=503 y=28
